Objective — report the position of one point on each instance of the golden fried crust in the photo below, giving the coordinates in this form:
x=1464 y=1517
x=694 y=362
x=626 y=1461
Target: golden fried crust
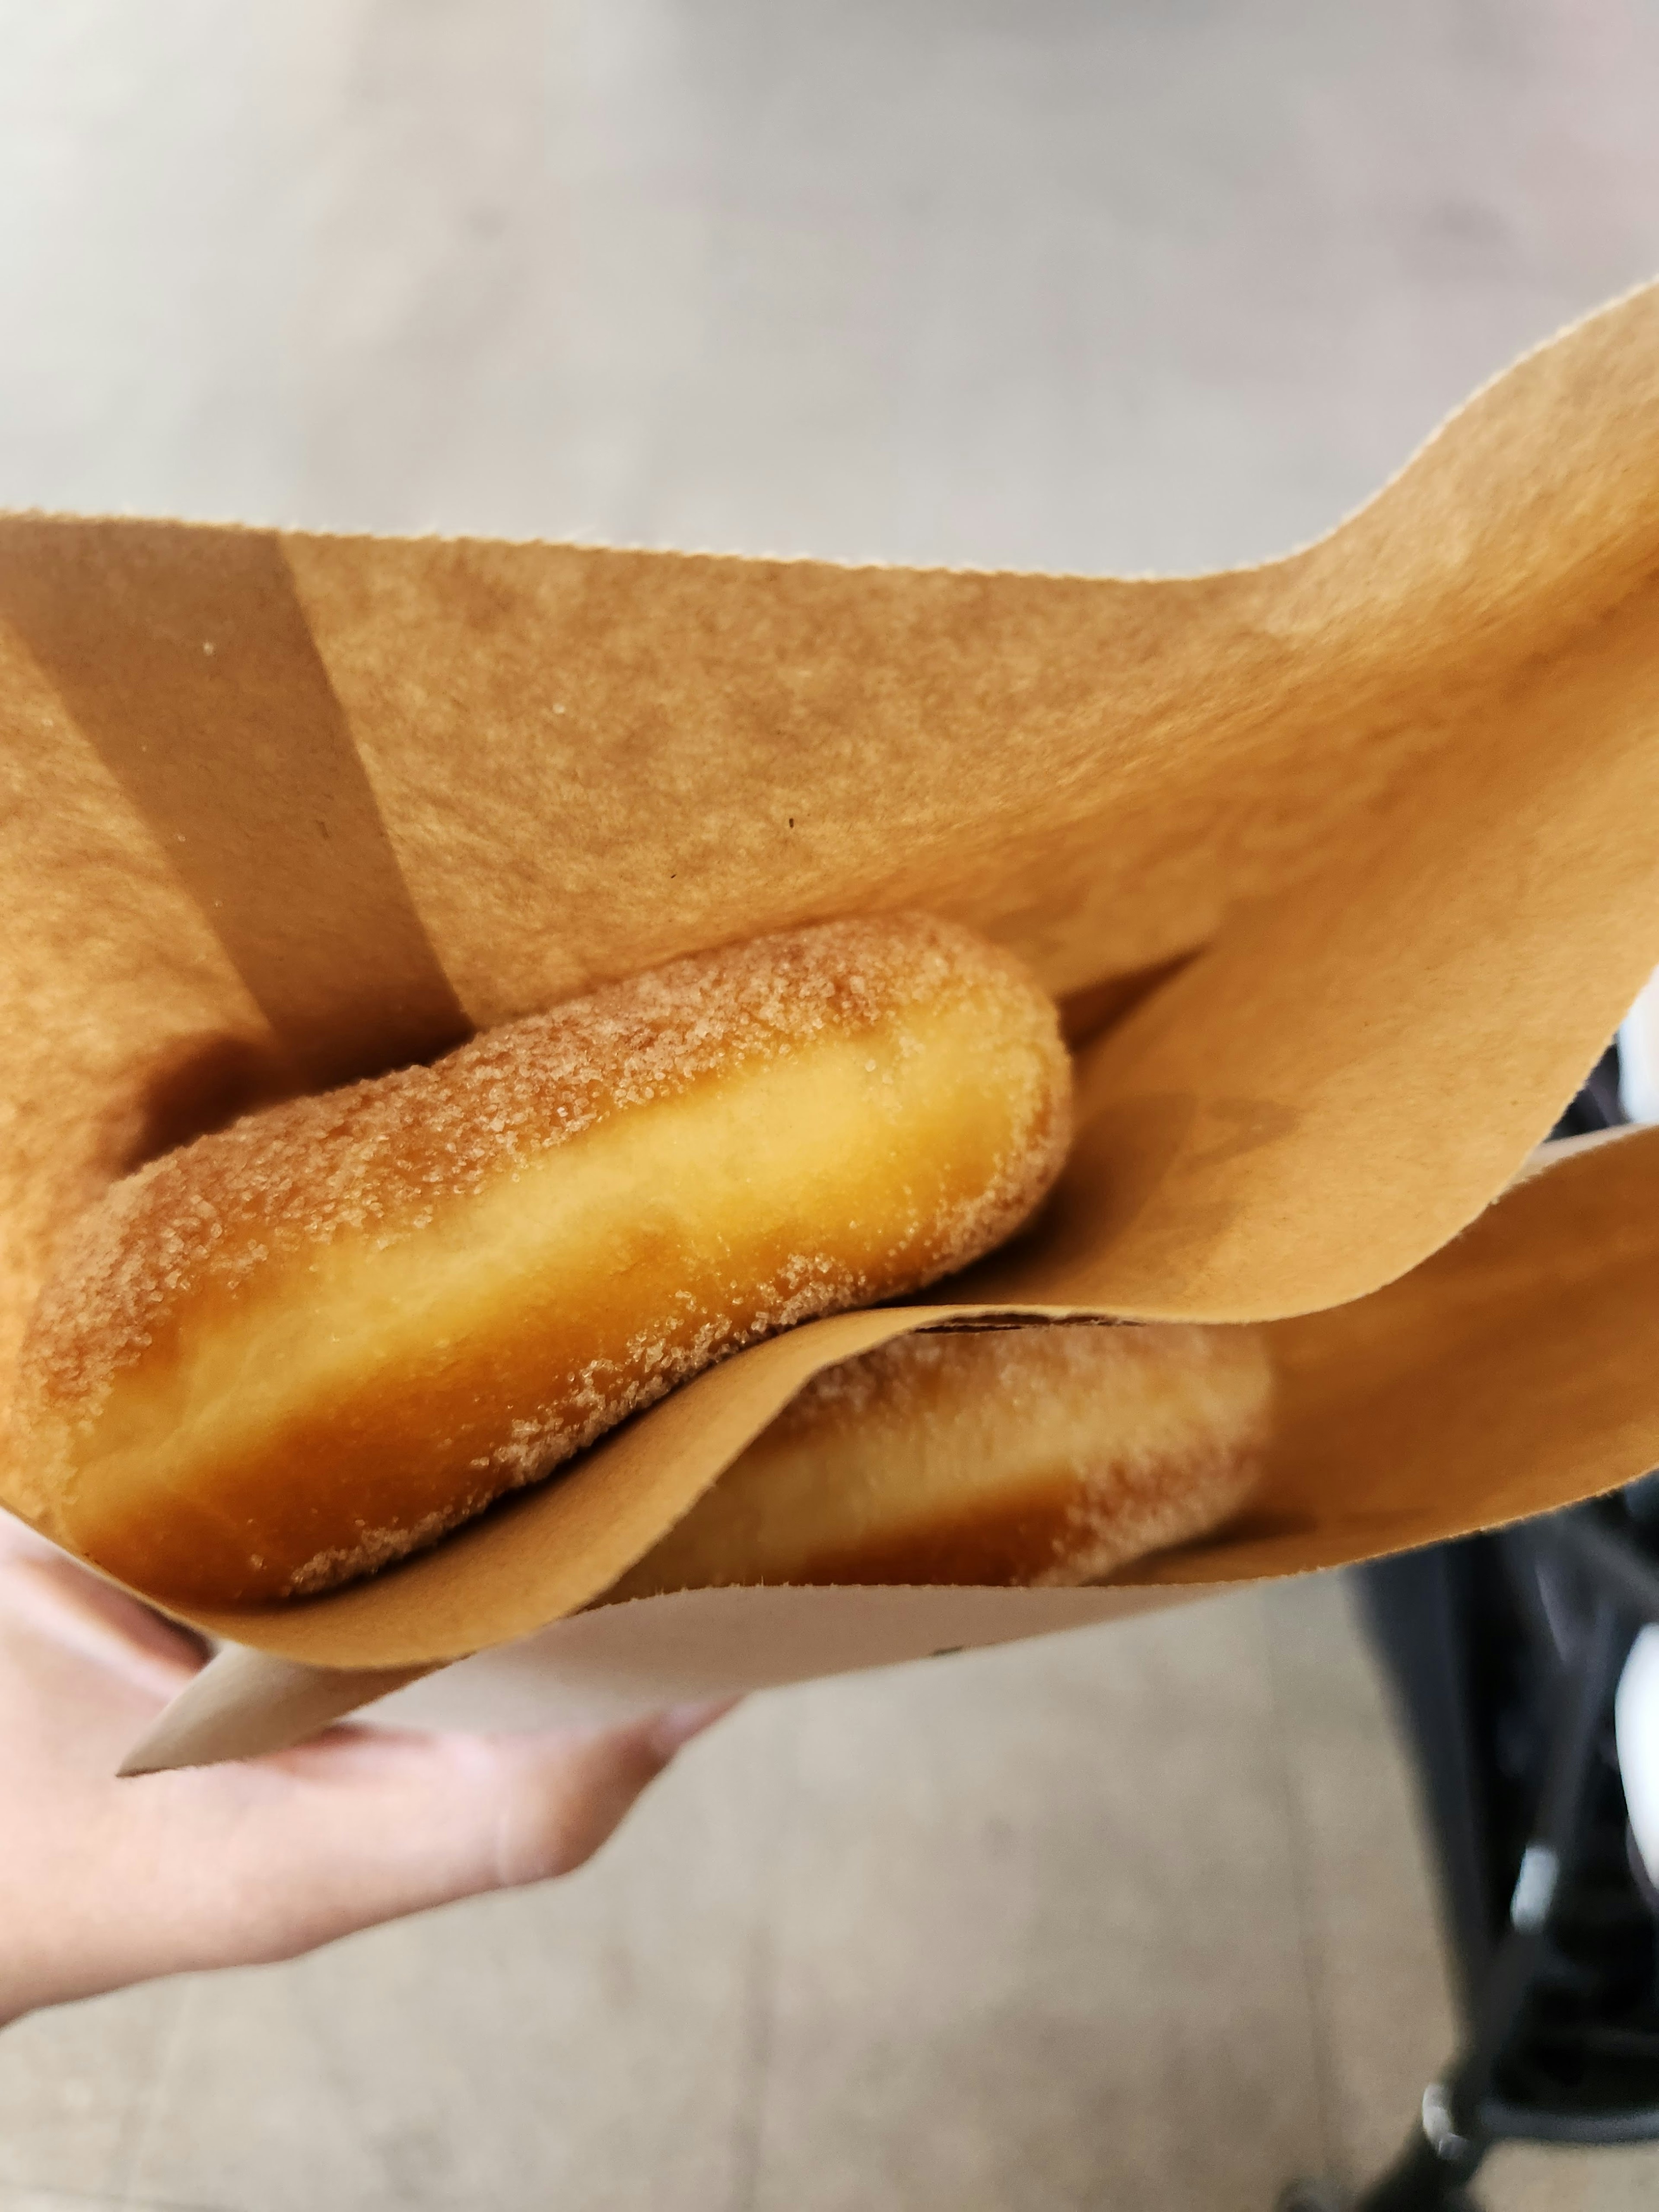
x=1001 y=1457
x=295 y=1350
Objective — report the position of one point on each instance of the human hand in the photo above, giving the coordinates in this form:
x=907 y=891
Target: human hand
x=104 y=1882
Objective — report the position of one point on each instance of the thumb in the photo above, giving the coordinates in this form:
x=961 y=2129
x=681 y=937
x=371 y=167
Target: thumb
x=266 y=1861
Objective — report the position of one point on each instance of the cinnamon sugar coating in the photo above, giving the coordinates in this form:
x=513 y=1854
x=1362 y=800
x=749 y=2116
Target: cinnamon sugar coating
x=1035 y=1455
x=300 y=1348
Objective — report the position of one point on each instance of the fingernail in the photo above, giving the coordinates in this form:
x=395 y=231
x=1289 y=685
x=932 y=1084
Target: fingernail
x=675 y=1728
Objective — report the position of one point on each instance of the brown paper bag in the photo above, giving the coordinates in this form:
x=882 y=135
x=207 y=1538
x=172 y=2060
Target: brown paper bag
x=1346 y=860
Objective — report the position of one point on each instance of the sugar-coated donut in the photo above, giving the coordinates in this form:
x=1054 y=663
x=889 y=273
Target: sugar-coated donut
x=302 y=1347
x=1035 y=1455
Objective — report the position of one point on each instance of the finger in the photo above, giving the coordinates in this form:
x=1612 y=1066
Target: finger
x=266 y=1861
x=548 y=1828
x=238 y=1865
x=78 y=1684
x=53 y=1595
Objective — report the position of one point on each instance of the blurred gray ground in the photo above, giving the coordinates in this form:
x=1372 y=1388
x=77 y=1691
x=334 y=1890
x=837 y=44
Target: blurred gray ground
x=1137 y=1917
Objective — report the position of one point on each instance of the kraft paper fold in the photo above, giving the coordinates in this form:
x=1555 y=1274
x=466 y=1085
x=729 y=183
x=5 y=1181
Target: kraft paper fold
x=1348 y=859
x=1511 y=1373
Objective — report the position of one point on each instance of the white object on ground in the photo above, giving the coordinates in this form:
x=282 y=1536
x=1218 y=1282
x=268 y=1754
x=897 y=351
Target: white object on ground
x=1638 y=1054
x=1636 y=1731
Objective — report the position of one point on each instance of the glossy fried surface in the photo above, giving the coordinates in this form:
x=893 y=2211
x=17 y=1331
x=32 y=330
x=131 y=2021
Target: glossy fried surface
x=1038 y=1455
x=296 y=1350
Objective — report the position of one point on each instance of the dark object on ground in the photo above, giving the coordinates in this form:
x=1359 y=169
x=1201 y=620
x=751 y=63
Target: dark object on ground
x=1504 y=1652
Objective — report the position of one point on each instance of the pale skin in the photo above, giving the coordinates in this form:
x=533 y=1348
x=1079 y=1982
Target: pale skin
x=105 y=1882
